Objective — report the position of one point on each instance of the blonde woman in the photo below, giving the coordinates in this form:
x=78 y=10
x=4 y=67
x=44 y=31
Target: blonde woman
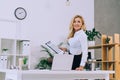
x=77 y=43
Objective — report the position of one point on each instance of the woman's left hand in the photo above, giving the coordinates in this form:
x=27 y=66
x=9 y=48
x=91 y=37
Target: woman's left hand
x=80 y=68
x=63 y=49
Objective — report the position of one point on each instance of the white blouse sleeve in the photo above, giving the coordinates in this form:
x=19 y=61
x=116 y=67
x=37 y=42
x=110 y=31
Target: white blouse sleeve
x=84 y=48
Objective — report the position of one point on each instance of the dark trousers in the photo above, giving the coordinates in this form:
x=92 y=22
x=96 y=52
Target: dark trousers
x=76 y=61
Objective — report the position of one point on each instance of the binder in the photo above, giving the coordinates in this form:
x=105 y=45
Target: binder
x=25 y=47
x=1 y=62
x=5 y=59
x=54 y=48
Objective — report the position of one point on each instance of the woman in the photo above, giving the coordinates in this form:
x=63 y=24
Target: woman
x=77 y=43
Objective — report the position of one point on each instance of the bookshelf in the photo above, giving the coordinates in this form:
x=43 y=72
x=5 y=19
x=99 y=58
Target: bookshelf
x=17 y=49
x=110 y=54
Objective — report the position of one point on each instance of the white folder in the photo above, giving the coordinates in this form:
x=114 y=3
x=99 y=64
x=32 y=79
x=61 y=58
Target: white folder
x=54 y=47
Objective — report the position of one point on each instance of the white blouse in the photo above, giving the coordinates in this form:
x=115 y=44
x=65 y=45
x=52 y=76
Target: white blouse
x=79 y=44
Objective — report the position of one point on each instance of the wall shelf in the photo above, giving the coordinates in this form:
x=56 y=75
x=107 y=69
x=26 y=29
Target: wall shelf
x=102 y=45
x=110 y=55
x=94 y=47
x=17 y=49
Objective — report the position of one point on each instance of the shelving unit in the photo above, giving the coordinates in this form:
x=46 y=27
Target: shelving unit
x=110 y=54
x=15 y=51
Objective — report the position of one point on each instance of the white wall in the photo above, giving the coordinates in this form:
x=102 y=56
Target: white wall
x=46 y=20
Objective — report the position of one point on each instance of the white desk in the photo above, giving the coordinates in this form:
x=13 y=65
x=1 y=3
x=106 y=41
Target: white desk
x=55 y=75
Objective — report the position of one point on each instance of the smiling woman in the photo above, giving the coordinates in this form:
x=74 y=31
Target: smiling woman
x=77 y=42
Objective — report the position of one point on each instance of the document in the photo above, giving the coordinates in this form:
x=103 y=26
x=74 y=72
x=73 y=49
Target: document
x=54 y=48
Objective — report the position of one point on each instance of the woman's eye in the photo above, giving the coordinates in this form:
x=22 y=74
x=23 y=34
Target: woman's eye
x=78 y=21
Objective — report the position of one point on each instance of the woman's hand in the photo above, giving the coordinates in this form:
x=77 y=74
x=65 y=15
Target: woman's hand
x=63 y=49
x=80 y=68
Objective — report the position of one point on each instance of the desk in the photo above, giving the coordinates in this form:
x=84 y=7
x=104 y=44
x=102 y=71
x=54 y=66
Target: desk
x=55 y=75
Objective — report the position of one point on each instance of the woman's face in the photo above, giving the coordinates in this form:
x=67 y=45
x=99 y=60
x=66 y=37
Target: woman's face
x=77 y=24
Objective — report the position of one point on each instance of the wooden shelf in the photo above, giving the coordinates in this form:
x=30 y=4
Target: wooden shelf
x=101 y=61
x=109 y=45
x=119 y=44
x=110 y=54
x=102 y=45
x=94 y=47
x=112 y=79
x=108 y=61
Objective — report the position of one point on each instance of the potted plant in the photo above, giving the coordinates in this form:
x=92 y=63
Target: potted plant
x=107 y=40
x=25 y=61
x=92 y=34
x=45 y=62
x=4 y=50
x=25 y=66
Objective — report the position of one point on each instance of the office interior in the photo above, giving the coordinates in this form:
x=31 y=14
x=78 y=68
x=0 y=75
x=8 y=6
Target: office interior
x=48 y=20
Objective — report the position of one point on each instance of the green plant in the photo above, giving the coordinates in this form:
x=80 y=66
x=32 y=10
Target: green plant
x=47 y=50
x=45 y=62
x=25 y=60
x=92 y=34
x=4 y=49
x=25 y=66
x=107 y=40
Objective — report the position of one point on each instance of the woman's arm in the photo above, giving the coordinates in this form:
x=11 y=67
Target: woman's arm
x=84 y=48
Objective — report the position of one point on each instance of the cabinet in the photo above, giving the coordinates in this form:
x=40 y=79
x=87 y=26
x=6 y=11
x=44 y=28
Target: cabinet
x=12 y=51
x=110 y=54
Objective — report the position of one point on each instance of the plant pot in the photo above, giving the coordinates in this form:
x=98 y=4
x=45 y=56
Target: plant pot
x=25 y=67
x=4 y=52
x=50 y=60
x=91 y=43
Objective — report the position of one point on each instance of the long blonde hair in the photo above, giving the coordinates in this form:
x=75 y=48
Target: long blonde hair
x=72 y=31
